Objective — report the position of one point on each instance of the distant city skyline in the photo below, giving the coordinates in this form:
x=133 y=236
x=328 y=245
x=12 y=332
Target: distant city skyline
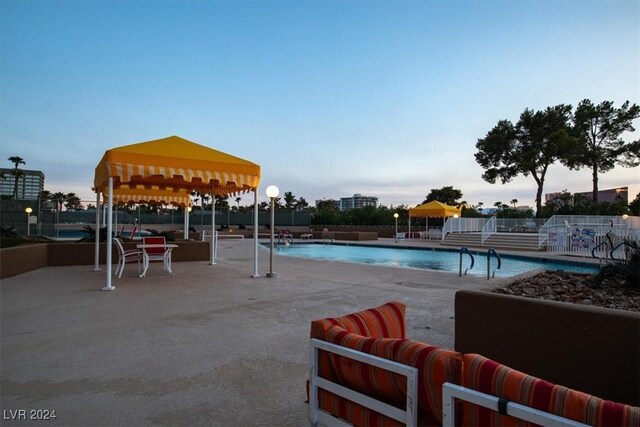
x=332 y=98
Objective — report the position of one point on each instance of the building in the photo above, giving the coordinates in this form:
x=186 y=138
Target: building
x=620 y=194
x=30 y=184
x=611 y=195
x=357 y=201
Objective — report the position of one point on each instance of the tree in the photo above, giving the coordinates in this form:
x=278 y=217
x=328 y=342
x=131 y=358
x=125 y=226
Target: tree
x=529 y=147
x=72 y=202
x=16 y=172
x=597 y=144
x=289 y=200
x=301 y=204
x=514 y=202
x=634 y=206
x=447 y=195
x=58 y=198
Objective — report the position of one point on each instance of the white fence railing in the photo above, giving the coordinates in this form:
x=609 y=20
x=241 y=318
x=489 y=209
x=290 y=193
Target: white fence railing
x=586 y=235
x=463 y=225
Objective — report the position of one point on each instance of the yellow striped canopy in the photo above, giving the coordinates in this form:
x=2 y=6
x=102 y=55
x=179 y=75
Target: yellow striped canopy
x=176 y=164
x=434 y=209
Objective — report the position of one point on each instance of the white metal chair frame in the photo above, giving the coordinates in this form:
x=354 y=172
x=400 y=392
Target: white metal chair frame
x=126 y=256
x=450 y=392
x=317 y=415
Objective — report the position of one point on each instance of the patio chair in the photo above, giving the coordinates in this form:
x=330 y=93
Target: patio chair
x=126 y=256
x=155 y=254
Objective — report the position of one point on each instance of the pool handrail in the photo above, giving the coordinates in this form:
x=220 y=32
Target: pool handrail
x=464 y=249
x=489 y=252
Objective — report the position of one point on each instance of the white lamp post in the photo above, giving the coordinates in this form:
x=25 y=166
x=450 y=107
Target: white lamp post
x=28 y=211
x=395 y=236
x=272 y=193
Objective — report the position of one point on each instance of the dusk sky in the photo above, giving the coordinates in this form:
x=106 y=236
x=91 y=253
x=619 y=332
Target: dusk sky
x=330 y=98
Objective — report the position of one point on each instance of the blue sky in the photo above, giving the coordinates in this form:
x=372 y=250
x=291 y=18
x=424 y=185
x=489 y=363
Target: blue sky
x=331 y=98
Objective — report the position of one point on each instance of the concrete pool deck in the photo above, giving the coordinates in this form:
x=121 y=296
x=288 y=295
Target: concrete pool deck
x=208 y=346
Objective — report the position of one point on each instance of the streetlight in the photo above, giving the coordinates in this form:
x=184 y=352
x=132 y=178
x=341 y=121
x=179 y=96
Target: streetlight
x=28 y=211
x=395 y=215
x=272 y=193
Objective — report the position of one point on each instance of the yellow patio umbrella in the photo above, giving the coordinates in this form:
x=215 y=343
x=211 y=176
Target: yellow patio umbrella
x=173 y=164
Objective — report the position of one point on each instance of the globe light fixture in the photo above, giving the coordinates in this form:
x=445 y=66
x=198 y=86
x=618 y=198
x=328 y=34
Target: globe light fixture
x=272 y=193
x=28 y=211
x=395 y=236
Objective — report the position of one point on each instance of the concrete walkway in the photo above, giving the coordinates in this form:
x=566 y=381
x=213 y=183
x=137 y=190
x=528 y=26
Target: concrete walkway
x=208 y=346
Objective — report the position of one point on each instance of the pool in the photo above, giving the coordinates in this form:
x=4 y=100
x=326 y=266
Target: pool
x=429 y=259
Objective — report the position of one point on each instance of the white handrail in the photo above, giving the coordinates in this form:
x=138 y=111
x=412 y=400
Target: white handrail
x=488 y=229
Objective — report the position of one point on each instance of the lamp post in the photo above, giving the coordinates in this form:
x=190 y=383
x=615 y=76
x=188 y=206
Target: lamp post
x=395 y=236
x=272 y=193
x=28 y=211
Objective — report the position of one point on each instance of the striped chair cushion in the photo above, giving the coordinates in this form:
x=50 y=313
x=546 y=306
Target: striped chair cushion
x=367 y=379
x=435 y=367
x=487 y=376
x=386 y=321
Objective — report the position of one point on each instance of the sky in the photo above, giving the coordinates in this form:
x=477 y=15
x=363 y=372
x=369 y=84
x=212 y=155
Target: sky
x=330 y=98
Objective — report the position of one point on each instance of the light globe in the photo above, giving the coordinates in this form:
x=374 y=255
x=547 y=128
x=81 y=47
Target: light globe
x=272 y=191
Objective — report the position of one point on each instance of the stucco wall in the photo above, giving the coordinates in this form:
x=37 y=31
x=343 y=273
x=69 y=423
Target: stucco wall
x=591 y=349
x=20 y=259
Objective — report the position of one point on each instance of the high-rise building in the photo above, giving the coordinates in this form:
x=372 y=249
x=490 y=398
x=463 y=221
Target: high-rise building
x=357 y=201
x=30 y=184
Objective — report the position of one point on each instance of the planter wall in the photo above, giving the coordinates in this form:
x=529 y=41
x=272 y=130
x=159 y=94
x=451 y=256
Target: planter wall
x=591 y=349
x=20 y=259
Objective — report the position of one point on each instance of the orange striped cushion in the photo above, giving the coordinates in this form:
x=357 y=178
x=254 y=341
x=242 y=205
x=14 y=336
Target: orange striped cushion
x=435 y=367
x=386 y=321
x=367 y=379
x=487 y=376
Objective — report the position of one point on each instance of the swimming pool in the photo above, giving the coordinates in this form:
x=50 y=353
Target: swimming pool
x=428 y=259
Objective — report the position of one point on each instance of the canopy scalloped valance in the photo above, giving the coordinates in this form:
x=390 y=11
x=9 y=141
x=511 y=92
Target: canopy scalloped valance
x=153 y=196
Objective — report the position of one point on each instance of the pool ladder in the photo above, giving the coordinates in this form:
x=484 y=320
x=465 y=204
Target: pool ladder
x=464 y=250
x=490 y=252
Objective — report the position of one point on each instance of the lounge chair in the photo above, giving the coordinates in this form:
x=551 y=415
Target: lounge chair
x=400 y=236
x=126 y=256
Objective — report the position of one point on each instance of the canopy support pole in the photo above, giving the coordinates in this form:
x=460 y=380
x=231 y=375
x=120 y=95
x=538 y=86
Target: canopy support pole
x=109 y=287
x=186 y=222
x=96 y=266
x=409 y=225
x=255 y=234
x=213 y=229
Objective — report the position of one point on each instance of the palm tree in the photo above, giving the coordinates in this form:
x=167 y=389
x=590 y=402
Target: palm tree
x=514 y=202
x=59 y=199
x=16 y=172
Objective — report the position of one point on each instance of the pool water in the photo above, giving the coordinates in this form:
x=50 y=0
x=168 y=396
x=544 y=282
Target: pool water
x=429 y=259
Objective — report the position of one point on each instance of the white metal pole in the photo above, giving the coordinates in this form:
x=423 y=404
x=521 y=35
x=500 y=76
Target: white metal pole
x=255 y=233
x=108 y=286
x=96 y=266
x=213 y=230
x=271 y=273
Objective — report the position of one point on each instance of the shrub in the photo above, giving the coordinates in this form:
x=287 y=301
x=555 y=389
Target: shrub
x=626 y=270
